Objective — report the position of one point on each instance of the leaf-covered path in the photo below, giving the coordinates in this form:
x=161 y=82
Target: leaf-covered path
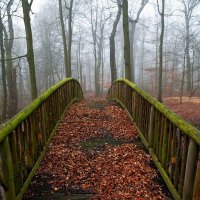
x=96 y=154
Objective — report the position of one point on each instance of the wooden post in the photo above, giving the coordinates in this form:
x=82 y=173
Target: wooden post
x=15 y=161
x=7 y=169
x=183 y=164
x=44 y=132
x=165 y=144
x=151 y=127
x=190 y=170
x=196 y=192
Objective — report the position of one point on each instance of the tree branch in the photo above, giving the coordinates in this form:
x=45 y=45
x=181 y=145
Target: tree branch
x=19 y=57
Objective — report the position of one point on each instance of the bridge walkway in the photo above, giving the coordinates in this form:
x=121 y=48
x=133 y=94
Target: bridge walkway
x=96 y=153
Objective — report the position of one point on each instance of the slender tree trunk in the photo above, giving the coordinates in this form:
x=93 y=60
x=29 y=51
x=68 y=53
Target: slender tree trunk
x=174 y=63
x=70 y=37
x=133 y=23
x=132 y=36
x=188 y=64
x=80 y=63
x=26 y=6
x=102 y=74
x=5 y=95
x=142 y=62
x=126 y=40
x=112 y=45
x=67 y=73
x=162 y=14
x=94 y=36
x=10 y=71
x=182 y=81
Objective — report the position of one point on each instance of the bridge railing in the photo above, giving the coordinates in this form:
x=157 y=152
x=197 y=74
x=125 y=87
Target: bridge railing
x=23 y=140
x=173 y=143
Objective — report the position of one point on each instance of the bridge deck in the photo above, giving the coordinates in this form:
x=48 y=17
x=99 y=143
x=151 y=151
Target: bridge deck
x=96 y=154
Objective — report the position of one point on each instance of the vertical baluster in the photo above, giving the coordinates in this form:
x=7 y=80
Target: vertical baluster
x=196 y=192
x=33 y=136
x=20 y=153
x=191 y=166
x=161 y=134
x=134 y=106
x=14 y=158
x=183 y=164
x=173 y=154
x=178 y=159
x=151 y=126
x=169 y=148
x=7 y=169
x=44 y=130
x=157 y=134
x=156 y=131
x=165 y=143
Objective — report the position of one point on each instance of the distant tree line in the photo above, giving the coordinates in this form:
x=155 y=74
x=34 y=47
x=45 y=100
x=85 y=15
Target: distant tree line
x=154 y=44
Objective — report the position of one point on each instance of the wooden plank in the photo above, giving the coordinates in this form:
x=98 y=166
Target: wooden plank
x=191 y=166
x=196 y=193
x=7 y=169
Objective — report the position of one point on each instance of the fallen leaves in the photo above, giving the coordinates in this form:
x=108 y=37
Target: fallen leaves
x=189 y=109
x=118 y=171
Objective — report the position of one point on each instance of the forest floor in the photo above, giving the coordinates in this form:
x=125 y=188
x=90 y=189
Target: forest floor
x=189 y=109
x=96 y=154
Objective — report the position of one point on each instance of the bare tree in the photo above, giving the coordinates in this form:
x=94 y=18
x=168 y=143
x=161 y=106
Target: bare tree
x=188 y=9
x=5 y=95
x=112 y=44
x=133 y=23
x=126 y=40
x=64 y=38
x=70 y=34
x=10 y=70
x=162 y=15
x=26 y=6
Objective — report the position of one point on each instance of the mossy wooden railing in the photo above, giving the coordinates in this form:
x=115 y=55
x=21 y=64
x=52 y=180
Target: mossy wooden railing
x=173 y=143
x=23 y=140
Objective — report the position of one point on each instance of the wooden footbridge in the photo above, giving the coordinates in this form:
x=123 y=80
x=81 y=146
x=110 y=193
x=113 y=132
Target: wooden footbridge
x=173 y=144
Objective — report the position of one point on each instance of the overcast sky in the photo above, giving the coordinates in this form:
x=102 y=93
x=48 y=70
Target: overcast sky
x=37 y=4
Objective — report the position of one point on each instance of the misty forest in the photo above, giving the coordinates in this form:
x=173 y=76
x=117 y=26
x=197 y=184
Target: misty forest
x=85 y=39
x=139 y=56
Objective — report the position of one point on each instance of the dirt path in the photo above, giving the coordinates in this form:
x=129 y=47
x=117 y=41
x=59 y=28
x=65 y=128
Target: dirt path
x=96 y=154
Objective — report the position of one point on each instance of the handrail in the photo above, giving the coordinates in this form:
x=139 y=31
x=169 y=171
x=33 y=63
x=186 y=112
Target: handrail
x=173 y=143
x=23 y=140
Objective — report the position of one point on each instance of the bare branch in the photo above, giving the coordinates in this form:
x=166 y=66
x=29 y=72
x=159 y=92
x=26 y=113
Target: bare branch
x=16 y=58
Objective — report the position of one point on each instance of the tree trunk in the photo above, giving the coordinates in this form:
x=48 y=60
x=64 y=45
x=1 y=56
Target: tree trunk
x=182 y=81
x=132 y=36
x=188 y=64
x=70 y=37
x=142 y=62
x=133 y=23
x=112 y=45
x=26 y=6
x=161 y=51
x=10 y=71
x=126 y=40
x=5 y=95
x=67 y=73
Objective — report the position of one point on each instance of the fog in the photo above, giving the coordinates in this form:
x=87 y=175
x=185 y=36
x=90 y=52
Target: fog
x=88 y=41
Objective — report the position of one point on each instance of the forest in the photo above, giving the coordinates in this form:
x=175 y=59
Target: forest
x=99 y=99
x=155 y=44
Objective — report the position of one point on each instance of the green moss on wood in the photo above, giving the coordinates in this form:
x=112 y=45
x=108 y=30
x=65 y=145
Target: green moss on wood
x=165 y=177
x=37 y=163
x=184 y=126
x=17 y=119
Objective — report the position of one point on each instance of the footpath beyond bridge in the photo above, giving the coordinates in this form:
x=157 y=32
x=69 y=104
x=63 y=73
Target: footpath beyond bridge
x=99 y=160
